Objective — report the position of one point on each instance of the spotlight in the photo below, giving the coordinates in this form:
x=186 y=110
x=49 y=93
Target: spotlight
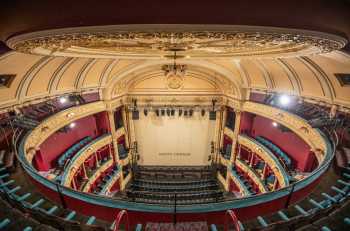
x=157 y=112
x=172 y=112
x=162 y=112
x=203 y=112
x=168 y=112
x=72 y=125
x=145 y=111
x=275 y=124
x=180 y=112
x=284 y=100
x=212 y=115
x=63 y=99
x=135 y=115
x=191 y=112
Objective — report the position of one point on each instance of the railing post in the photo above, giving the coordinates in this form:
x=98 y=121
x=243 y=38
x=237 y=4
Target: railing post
x=289 y=196
x=230 y=214
x=63 y=202
x=119 y=218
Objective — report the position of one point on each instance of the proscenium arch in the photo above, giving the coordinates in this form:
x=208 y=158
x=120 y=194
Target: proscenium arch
x=107 y=92
x=194 y=72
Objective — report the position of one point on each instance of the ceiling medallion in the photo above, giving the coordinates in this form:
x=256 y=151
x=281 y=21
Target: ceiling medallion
x=174 y=73
x=155 y=41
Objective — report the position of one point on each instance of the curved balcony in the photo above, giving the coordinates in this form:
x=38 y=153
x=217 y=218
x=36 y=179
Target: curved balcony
x=111 y=181
x=82 y=155
x=268 y=157
x=252 y=174
x=112 y=205
x=97 y=174
x=239 y=183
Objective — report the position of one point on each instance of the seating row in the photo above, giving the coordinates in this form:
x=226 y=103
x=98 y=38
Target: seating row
x=175 y=182
x=282 y=155
x=178 y=189
x=104 y=180
x=241 y=184
x=111 y=180
x=72 y=150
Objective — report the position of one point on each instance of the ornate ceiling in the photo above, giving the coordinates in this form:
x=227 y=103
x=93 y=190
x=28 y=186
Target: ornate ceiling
x=43 y=76
x=189 y=41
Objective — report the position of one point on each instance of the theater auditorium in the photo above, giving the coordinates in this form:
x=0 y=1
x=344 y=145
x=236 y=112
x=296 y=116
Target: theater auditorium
x=174 y=115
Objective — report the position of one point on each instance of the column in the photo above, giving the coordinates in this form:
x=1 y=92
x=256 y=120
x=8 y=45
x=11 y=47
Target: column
x=114 y=135
x=251 y=161
x=264 y=172
x=235 y=135
x=96 y=158
x=275 y=184
x=84 y=171
x=74 y=183
x=128 y=127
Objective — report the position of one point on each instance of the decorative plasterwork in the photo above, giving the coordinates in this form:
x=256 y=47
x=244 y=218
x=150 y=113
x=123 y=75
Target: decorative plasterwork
x=268 y=158
x=252 y=175
x=81 y=157
x=154 y=41
x=294 y=123
x=57 y=121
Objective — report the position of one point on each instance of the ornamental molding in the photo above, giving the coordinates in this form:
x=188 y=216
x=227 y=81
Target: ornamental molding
x=295 y=123
x=158 y=41
x=56 y=122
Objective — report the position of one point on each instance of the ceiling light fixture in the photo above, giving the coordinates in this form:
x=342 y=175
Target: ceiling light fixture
x=174 y=69
x=284 y=100
x=63 y=99
x=72 y=125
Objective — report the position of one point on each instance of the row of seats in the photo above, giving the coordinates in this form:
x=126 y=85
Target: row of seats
x=105 y=179
x=281 y=155
x=246 y=183
x=110 y=181
x=20 y=210
x=174 y=168
x=24 y=122
x=242 y=182
x=7 y=159
x=175 y=183
x=137 y=187
x=72 y=150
